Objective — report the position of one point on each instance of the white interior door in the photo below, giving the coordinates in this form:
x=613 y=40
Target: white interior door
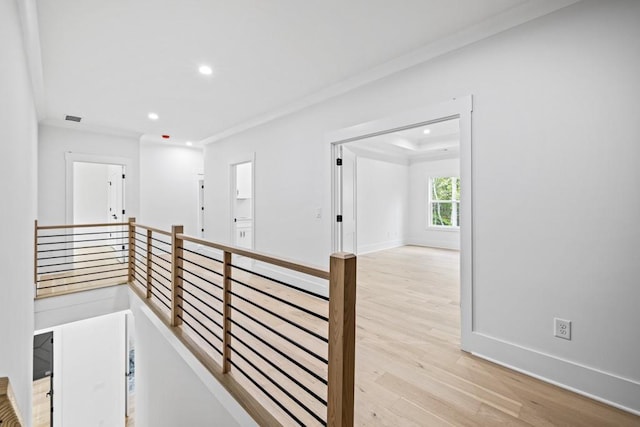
x=115 y=205
x=201 y=208
x=91 y=373
x=115 y=190
x=349 y=198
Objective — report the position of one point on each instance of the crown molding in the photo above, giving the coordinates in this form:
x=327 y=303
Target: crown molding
x=511 y=18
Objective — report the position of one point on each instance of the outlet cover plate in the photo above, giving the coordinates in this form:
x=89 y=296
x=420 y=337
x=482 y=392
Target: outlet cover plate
x=562 y=328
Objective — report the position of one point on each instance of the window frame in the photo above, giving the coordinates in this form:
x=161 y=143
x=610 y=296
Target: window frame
x=453 y=201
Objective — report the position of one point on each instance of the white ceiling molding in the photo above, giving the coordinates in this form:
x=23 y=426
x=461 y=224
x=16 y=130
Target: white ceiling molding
x=83 y=127
x=504 y=21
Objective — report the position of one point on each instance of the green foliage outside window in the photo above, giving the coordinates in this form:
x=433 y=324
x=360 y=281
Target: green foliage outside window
x=445 y=201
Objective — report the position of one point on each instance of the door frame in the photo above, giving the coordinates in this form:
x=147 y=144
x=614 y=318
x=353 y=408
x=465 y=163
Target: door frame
x=250 y=158
x=461 y=108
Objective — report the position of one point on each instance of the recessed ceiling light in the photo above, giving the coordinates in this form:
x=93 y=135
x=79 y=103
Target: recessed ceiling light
x=206 y=70
x=189 y=143
x=153 y=116
x=427 y=131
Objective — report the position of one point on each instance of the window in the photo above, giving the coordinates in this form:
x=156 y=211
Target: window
x=444 y=202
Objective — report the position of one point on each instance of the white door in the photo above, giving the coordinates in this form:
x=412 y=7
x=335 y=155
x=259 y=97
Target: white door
x=115 y=187
x=349 y=206
x=91 y=373
x=201 y=208
x=115 y=206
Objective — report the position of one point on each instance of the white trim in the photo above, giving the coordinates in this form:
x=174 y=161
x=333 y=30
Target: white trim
x=614 y=390
x=84 y=127
x=511 y=18
x=380 y=246
x=71 y=158
x=461 y=108
x=430 y=201
x=432 y=243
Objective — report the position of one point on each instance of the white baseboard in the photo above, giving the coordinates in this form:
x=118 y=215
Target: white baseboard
x=622 y=393
x=380 y=246
x=434 y=243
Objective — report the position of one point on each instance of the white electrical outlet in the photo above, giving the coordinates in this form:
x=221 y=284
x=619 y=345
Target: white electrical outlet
x=562 y=328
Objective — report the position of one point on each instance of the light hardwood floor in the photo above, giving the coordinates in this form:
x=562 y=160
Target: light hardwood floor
x=411 y=372
x=41 y=403
x=109 y=269
x=41 y=408
x=409 y=368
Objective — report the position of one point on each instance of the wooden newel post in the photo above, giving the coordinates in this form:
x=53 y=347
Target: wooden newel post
x=226 y=310
x=342 y=339
x=176 y=267
x=132 y=249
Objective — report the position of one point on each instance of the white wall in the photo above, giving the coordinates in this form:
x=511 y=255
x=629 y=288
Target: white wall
x=89 y=372
x=52 y=312
x=419 y=233
x=169 y=186
x=286 y=195
x=383 y=204
x=172 y=387
x=18 y=138
x=54 y=142
x=555 y=118
x=90 y=200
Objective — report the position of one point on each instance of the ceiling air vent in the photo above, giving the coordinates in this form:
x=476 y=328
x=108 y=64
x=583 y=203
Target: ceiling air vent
x=73 y=118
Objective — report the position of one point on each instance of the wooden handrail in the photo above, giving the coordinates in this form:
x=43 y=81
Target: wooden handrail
x=280 y=262
x=155 y=230
x=9 y=413
x=106 y=224
x=341 y=317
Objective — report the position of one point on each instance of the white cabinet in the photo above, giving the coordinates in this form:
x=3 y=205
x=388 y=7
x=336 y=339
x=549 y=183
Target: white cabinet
x=243 y=181
x=244 y=234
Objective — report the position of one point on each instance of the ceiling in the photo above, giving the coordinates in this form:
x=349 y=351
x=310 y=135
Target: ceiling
x=439 y=140
x=113 y=62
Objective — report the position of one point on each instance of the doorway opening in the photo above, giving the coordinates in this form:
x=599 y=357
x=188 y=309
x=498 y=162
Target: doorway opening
x=242 y=204
x=383 y=176
x=401 y=188
x=81 y=369
x=96 y=194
